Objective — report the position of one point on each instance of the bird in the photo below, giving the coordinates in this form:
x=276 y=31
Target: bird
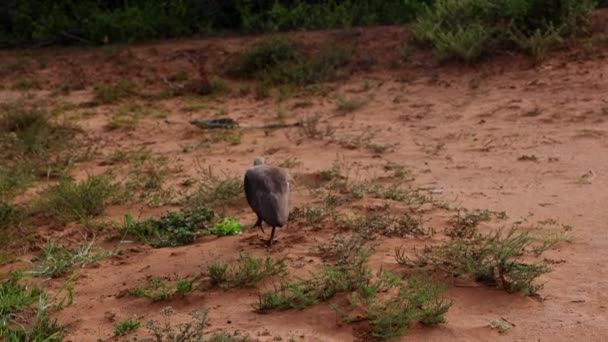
x=267 y=192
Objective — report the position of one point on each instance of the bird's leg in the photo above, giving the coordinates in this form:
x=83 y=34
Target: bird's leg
x=258 y=224
x=271 y=237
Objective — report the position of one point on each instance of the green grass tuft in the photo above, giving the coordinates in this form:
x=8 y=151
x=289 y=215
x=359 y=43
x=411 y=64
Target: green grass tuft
x=70 y=200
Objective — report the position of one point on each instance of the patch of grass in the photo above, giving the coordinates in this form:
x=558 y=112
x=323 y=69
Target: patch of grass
x=57 y=260
x=172 y=229
x=70 y=200
x=494 y=259
x=349 y=105
x=193 y=330
x=30 y=132
x=105 y=93
x=310 y=216
x=341 y=249
x=125 y=327
x=464 y=224
x=215 y=190
x=228 y=226
x=323 y=285
x=18 y=320
x=278 y=60
x=155 y=289
x=380 y=222
x=248 y=273
x=467 y=29
x=390 y=317
x=25 y=85
x=146 y=176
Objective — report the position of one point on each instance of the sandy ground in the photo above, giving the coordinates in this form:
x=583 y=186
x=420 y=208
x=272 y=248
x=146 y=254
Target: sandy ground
x=458 y=130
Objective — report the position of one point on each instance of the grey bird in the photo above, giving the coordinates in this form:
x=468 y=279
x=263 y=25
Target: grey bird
x=267 y=192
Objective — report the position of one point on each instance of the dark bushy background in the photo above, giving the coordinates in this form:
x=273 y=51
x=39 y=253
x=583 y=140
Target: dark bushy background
x=93 y=21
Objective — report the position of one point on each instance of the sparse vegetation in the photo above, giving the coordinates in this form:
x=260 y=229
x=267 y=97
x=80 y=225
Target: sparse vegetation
x=349 y=105
x=157 y=289
x=215 y=190
x=493 y=259
x=125 y=327
x=17 y=298
x=31 y=146
x=172 y=229
x=249 y=272
x=70 y=200
x=105 y=93
x=193 y=330
x=467 y=29
x=322 y=286
x=57 y=260
x=418 y=300
x=279 y=60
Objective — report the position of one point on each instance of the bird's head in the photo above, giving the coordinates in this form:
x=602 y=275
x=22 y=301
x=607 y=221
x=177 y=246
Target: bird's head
x=258 y=161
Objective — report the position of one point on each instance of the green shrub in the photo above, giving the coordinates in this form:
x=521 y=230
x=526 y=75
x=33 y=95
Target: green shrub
x=465 y=29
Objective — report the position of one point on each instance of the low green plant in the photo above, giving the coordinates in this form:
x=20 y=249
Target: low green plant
x=17 y=296
x=125 y=327
x=391 y=306
x=228 y=226
x=249 y=272
x=493 y=259
x=172 y=229
x=57 y=260
x=465 y=29
x=323 y=285
x=155 y=289
x=70 y=200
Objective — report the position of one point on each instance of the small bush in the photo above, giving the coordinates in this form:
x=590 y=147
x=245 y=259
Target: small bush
x=465 y=29
x=493 y=259
x=155 y=289
x=172 y=229
x=69 y=200
x=124 y=327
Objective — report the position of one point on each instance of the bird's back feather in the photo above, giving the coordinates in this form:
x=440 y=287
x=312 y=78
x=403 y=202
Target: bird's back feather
x=267 y=192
